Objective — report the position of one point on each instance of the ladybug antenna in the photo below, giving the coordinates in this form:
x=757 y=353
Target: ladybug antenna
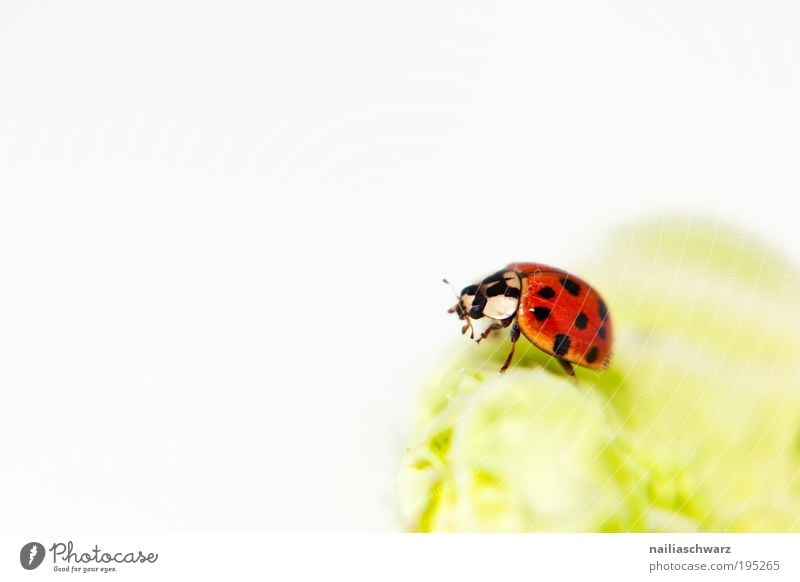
x=446 y=282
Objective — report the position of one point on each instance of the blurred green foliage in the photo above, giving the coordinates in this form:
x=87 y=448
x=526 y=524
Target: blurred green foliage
x=694 y=427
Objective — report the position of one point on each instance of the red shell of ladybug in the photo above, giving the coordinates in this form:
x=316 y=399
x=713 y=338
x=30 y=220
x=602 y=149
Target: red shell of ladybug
x=556 y=311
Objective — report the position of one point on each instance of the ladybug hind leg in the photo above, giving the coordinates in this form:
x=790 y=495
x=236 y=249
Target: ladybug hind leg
x=568 y=368
x=514 y=338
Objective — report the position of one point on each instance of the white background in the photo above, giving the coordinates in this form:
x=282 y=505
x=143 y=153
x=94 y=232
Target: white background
x=223 y=226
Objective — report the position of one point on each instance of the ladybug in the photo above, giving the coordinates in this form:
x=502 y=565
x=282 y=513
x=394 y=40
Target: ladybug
x=556 y=311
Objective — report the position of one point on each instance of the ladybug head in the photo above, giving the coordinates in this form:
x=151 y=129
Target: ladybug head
x=471 y=302
x=495 y=297
x=464 y=307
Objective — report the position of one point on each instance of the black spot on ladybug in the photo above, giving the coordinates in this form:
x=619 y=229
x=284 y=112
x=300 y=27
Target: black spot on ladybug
x=571 y=286
x=512 y=292
x=601 y=333
x=498 y=276
x=476 y=311
x=546 y=293
x=561 y=344
x=581 y=320
x=469 y=290
x=591 y=355
x=498 y=288
x=541 y=313
x=602 y=310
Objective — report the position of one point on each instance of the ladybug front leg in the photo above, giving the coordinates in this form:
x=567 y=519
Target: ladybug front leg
x=488 y=331
x=494 y=327
x=514 y=338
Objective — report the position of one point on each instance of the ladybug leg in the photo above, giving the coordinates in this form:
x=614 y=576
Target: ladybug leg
x=488 y=331
x=468 y=326
x=567 y=368
x=514 y=338
x=494 y=327
x=467 y=322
